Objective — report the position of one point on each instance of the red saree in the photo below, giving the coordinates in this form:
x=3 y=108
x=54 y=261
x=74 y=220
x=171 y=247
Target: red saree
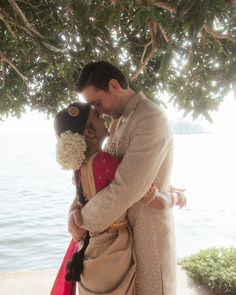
x=61 y=286
x=97 y=173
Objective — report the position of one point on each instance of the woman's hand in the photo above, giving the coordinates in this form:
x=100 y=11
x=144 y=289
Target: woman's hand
x=158 y=200
x=178 y=196
x=74 y=221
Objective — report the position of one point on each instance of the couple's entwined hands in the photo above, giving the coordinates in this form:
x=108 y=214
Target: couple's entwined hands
x=158 y=200
x=74 y=223
x=178 y=196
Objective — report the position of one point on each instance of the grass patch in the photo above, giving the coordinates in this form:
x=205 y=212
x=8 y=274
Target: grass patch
x=213 y=267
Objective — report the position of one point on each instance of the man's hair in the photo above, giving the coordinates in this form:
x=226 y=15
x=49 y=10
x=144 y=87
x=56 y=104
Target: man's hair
x=98 y=74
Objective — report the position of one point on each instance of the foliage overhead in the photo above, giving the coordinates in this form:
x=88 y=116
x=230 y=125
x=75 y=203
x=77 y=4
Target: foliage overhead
x=185 y=48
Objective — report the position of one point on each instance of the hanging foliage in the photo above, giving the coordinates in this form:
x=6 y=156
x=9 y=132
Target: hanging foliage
x=186 y=48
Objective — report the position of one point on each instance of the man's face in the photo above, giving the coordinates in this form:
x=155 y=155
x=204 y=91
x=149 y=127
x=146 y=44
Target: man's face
x=104 y=102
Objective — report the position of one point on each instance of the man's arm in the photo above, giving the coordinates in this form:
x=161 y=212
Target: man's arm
x=150 y=142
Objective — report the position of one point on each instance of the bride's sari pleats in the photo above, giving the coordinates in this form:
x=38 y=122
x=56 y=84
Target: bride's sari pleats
x=109 y=262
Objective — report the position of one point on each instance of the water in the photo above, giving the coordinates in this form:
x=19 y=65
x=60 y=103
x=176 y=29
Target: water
x=35 y=195
x=205 y=165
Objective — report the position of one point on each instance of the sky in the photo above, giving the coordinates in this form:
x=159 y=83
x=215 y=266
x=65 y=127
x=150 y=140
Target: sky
x=33 y=122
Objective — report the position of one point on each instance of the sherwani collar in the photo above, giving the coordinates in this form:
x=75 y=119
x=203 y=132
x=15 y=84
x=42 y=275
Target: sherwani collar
x=133 y=103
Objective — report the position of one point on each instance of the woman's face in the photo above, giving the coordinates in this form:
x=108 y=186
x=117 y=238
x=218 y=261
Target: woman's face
x=97 y=124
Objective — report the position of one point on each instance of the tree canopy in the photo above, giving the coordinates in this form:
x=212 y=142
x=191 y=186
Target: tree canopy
x=185 y=48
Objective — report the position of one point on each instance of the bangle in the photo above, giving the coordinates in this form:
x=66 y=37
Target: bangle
x=168 y=200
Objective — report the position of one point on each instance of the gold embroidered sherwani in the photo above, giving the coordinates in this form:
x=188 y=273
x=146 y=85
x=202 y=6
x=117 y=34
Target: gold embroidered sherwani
x=144 y=143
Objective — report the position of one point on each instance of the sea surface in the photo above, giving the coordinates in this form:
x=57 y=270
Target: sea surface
x=35 y=195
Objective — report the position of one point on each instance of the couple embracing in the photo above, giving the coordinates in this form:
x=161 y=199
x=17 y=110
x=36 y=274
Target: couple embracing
x=121 y=222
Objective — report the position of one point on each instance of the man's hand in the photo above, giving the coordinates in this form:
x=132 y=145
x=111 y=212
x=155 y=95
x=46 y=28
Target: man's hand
x=74 y=221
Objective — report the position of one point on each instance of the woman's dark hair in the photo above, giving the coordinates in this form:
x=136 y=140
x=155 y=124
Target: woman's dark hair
x=75 y=266
x=98 y=74
x=73 y=118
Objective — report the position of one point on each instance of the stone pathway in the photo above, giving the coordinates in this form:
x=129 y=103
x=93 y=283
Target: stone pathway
x=40 y=282
x=186 y=286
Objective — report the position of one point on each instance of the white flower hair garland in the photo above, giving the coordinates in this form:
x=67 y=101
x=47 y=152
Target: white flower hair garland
x=70 y=150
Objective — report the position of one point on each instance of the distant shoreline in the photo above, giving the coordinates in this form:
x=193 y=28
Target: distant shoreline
x=185 y=127
x=189 y=132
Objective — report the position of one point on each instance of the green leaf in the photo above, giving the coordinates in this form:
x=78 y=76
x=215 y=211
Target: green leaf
x=208 y=117
x=140 y=18
x=220 y=4
x=96 y=30
x=143 y=17
x=164 y=21
x=156 y=15
x=187 y=24
x=154 y=12
x=199 y=16
x=183 y=7
x=186 y=112
x=165 y=62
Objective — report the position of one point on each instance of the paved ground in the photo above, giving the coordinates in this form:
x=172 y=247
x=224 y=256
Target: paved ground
x=40 y=282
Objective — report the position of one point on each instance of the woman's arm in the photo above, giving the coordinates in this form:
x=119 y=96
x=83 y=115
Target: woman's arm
x=74 y=220
x=75 y=203
x=158 y=200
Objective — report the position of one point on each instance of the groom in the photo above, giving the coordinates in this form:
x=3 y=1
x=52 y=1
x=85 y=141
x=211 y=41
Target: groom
x=142 y=139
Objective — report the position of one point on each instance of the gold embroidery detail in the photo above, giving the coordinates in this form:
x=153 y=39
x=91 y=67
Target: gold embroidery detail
x=119 y=224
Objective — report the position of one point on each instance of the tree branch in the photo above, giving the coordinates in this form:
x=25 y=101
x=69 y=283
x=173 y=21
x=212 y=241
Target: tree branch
x=231 y=2
x=2 y=56
x=26 y=27
x=142 y=65
x=164 y=34
x=2 y=70
x=152 y=29
x=145 y=49
x=9 y=23
x=143 y=62
x=24 y=19
x=6 y=22
x=165 y=5
x=190 y=54
x=217 y=35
